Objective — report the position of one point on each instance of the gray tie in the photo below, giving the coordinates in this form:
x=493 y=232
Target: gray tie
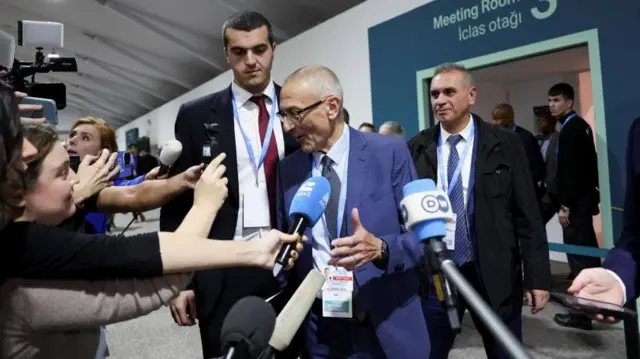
x=331 y=213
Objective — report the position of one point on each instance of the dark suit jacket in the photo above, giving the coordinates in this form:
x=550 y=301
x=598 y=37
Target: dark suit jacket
x=217 y=289
x=551 y=162
x=624 y=258
x=505 y=221
x=534 y=158
x=577 y=171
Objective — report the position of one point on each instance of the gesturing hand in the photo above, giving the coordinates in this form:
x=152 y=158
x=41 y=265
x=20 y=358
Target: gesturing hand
x=211 y=188
x=94 y=174
x=360 y=248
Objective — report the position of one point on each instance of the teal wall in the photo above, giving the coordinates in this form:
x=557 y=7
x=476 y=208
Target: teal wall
x=459 y=30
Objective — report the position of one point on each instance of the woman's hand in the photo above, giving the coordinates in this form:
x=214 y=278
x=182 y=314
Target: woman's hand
x=211 y=190
x=94 y=174
x=27 y=108
x=270 y=244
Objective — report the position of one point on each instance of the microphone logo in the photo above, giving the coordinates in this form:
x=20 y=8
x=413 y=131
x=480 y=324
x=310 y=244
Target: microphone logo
x=433 y=203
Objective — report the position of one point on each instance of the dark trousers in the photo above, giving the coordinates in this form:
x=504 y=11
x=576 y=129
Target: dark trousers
x=336 y=338
x=580 y=232
x=440 y=333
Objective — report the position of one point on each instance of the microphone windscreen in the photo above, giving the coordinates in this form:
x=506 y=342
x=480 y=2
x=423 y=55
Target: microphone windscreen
x=7 y=49
x=170 y=153
x=292 y=315
x=311 y=199
x=248 y=324
x=423 y=209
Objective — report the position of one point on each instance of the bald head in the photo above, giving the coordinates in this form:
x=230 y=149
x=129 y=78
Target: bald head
x=318 y=80
x=503 y=115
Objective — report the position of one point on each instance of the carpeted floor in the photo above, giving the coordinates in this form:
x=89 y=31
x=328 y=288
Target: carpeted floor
x=157 y=337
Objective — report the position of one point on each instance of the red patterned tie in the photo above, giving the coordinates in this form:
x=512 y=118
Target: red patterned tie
x=271 y=158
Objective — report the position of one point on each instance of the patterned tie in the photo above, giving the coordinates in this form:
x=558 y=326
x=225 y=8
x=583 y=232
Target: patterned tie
x=271 y=158
x=461 y=251
x=331 y=213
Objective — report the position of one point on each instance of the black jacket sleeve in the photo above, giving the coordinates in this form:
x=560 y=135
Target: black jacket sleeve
x=577 y=171
x=528 y=222
x=32 y=250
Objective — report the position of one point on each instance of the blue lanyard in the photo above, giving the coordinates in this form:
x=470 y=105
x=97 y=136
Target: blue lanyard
x=514 y=128
x=561 y=127
x=267 y=135
x=456 y=174
x=343 y=198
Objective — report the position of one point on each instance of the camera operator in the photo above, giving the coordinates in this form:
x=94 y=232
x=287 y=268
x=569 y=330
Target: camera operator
x=40 y=251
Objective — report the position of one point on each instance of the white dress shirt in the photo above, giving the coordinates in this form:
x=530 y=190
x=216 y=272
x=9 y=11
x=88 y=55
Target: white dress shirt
x=248 y=112
x=443 y=162
x=339 y=153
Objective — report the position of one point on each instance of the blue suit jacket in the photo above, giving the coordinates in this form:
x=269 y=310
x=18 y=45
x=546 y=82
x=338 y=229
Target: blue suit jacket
x=624 y=258
x=379 y=167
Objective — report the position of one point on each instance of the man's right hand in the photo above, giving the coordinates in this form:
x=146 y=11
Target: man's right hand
x=211 y=189
x=598 y=284
x=183 y=309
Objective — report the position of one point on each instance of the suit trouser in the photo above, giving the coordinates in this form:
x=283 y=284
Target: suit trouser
x=580 y=232
x=337 y=338
x=440 y=333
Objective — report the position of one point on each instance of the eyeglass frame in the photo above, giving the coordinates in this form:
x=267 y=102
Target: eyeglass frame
x=299 y=114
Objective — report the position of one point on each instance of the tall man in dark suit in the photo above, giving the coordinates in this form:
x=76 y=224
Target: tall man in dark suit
x=548 y=141
x=504 y=116
x=578 y=195
x=241 y=122
x=360 y=238
x=497 y=227
x=618 y=281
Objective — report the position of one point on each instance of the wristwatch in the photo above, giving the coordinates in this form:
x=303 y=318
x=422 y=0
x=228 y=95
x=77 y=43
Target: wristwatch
x=381 y=263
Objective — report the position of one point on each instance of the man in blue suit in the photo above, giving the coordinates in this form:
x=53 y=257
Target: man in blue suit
x=617 y=281
x=360 y=238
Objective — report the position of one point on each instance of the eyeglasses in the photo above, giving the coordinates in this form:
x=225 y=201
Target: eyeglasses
x=296 y=116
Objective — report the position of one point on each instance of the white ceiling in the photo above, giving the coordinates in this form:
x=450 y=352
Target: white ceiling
x=135 y=55
x=564 y=61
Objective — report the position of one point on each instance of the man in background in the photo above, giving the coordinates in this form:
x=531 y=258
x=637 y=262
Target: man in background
x=392 y=128
x=504 y=116
x=548 y=141
x=496 y=238
x=234 y=121
x=578 y=193
x=367 y=127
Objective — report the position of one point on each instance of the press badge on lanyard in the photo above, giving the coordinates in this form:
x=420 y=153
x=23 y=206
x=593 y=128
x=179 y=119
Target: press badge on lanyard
x=337 y=290
x=256 y=215
x=450 y=237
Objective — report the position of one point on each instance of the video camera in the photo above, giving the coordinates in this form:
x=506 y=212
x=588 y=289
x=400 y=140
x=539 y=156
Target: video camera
x=41 y=35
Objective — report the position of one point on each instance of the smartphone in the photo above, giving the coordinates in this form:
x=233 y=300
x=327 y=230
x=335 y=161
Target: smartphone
x=127 y=165
x=49 y=109
x=592 y=307
x=74 y=163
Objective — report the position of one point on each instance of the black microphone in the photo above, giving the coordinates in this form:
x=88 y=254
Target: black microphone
x=169 y=155
x=307 y=206
x=247 y=328
x=426 y=211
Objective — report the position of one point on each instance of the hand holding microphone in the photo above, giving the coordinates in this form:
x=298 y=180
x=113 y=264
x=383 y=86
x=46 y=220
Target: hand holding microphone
x=168 y=156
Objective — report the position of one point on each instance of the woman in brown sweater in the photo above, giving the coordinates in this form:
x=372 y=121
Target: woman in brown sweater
x=61 y=319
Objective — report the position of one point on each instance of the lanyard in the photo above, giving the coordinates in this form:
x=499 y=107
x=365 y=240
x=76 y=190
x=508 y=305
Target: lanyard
x=456 y=174
x=267 y=135
x=561 y=127
x=342 y=200
x=514 y=128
